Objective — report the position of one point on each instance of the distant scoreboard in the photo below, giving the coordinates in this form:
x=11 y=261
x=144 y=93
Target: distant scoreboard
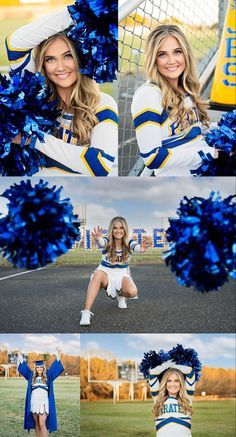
x=13 y=356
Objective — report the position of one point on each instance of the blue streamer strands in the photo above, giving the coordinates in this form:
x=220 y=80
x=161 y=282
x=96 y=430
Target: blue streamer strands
x=178 y=354
x=152 y=359
x=39 y=225
x=25 y=109
x=202 y=250
x=186 y=357
x=223 y=139
x=95 y=34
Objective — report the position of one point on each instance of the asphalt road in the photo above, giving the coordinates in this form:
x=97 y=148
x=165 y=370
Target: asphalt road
x=50 y=300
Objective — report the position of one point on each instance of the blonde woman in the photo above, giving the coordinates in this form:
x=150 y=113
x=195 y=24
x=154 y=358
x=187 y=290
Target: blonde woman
x=168 y=111
x=85 y=140
x=113 y=273
x=40 y=408
x=172 y=387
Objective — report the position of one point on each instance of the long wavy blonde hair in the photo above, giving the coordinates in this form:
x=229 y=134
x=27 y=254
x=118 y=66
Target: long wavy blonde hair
x=182 y=397
x=35 y=374
x=173 y=99
x=111 y=248
x=85 y=95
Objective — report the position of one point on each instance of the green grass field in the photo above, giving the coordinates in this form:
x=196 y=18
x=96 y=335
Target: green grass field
x=12 y=399
x=103 y=419
x=80 y=256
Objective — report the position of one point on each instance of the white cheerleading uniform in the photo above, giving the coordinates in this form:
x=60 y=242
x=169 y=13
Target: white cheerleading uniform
x=115 y=271
x=39 y=397
x=172 y=422
x=166 y=149
x=63 y=155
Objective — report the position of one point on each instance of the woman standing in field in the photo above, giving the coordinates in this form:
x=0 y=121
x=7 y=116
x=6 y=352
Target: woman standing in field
x=113 y=273
x=168 y=111
x=86 y=139
x=40 y=409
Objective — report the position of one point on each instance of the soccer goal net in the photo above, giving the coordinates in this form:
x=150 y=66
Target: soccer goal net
x=202 y=22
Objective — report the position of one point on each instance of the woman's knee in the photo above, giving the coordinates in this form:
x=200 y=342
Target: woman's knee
x=132 y=292
x=100 y=277
x=42 y=423
x=129 y=288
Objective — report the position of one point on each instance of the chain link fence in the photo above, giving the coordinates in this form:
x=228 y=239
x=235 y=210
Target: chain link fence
x=202 y=23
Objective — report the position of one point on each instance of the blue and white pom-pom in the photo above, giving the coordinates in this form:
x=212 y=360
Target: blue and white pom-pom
x=25 y=109
x=152 y=359
x=224 y=140
x=202 y=242
x=95 y=34
x=179 y=356
x=39 y=226
x=186 y=357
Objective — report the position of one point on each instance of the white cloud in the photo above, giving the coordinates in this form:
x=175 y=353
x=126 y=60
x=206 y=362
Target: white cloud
x=208 y=348
x=47 y=343
x=144 y=342
x=100 y=214
x=93 y=345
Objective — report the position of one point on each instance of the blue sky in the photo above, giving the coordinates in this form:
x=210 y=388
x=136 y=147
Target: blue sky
x=42 y=343
x=214 y=350
x=143 y=201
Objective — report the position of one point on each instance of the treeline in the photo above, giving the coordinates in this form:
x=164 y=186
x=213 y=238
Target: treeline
x=214 y=381
x=70 y=363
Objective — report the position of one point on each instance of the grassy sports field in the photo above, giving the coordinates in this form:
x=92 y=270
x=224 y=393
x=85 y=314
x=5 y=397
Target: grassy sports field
x=103 y=419
x=12 y=399
x=80 y=256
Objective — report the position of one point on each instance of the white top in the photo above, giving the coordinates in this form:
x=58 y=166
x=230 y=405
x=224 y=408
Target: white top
x=63 y=155
x=105 y=262
x=39 y=383
x=165 y=148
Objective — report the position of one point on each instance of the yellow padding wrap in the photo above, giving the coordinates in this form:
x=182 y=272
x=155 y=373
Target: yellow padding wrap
x=224 y=82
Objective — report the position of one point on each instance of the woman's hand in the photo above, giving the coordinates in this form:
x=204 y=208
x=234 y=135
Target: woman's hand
x=19 y=357
x=97 y=233
x=58 y=349
x=17 y=140
x=144 y=246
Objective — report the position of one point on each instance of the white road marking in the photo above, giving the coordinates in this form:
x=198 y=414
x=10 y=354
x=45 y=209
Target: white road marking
x=22 y=273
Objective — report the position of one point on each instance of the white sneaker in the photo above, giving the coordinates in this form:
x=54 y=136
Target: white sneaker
x=85 y=317
x=121 y=301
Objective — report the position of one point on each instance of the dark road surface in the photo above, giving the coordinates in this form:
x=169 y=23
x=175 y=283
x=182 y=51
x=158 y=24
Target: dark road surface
x=50 y=300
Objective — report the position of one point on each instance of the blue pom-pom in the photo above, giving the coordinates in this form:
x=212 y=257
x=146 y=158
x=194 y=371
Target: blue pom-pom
x=95 y=34
x=202 y=242
x=39 y=225
x=25 y=109
x=224 y=165
x=152 y=359
x=186 y=357
x=224 y=138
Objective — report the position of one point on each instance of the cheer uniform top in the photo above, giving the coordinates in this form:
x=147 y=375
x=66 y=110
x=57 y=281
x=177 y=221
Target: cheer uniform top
x=39 y=396
x=172 y=422
x=52 y=373
x=166 y=149
x=64 y=155
x=118 y=270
